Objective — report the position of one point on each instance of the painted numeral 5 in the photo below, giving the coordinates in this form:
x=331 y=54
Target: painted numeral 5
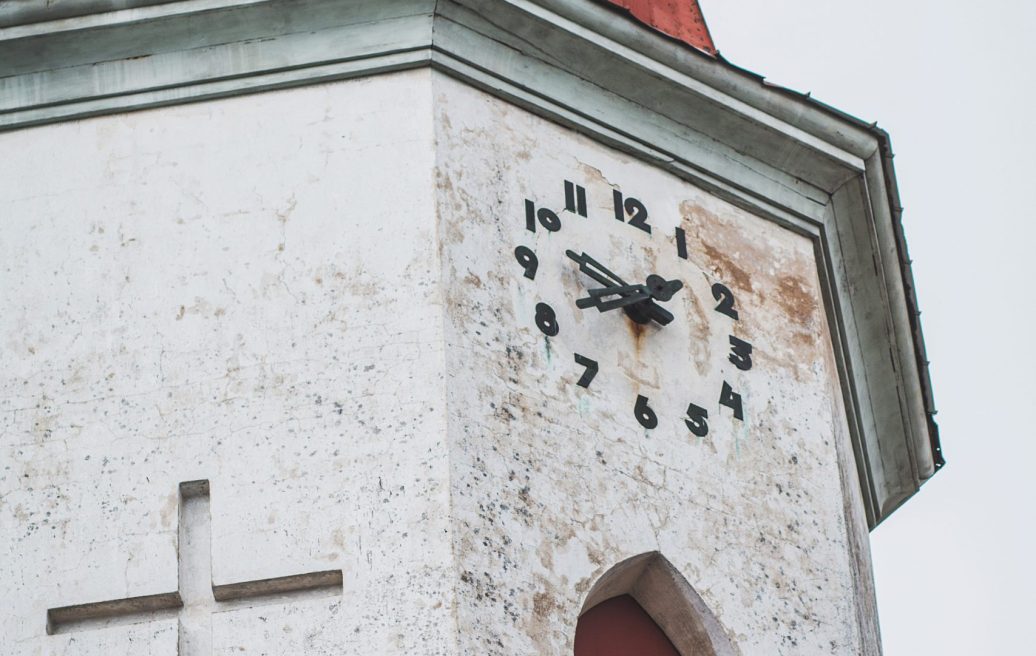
x=697 y=420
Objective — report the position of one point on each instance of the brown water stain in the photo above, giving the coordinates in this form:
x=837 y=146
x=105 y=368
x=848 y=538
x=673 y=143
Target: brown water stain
x=798 y=299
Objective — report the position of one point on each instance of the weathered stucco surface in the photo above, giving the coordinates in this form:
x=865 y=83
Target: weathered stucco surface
x=554 y=484
x=310 y=299
x=244 y=291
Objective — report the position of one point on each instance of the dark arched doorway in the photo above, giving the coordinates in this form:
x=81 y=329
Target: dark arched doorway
x=620 y=627
x=643 y=606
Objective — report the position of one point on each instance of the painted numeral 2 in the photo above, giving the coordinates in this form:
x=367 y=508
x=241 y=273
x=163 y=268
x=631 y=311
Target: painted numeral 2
x=722 y=293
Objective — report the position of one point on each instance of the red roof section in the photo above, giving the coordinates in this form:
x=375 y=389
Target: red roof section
x=680 y=19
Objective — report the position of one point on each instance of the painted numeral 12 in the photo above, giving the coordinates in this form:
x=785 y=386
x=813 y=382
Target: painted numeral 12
x=638 y=213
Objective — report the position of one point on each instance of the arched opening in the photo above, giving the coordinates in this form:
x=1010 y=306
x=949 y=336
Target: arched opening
x=644 y=606
x=620 y=627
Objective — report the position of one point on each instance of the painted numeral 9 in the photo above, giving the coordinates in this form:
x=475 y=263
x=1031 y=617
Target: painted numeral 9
x=528 y=260
x=546 y=320
x=645 y=415
x=697 y=420
x=722 y=293
x=732 y=400
x=546 y=217
x=740 y=353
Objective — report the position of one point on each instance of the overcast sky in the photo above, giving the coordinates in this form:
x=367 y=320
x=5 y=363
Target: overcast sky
x=954 y=82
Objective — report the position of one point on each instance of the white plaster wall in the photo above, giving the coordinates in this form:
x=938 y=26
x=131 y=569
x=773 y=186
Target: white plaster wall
x=554 y=484
x=248 y=290
x=242 y=290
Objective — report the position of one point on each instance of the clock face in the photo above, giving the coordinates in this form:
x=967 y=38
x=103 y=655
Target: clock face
x=634 y=305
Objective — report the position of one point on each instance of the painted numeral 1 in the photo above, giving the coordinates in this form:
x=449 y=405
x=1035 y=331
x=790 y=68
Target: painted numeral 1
x=681 y=243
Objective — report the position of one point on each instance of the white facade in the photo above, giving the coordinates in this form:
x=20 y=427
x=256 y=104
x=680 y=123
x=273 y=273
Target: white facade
x=272 y=371
x=225 y=291
x=552 y=483
x=310 y=298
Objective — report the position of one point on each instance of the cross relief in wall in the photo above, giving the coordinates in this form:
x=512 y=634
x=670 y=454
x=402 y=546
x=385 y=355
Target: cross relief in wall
x=197 y=597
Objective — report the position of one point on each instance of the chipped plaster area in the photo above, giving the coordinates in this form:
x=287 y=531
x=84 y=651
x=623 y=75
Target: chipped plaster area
x=554 y=484
x=245 y=291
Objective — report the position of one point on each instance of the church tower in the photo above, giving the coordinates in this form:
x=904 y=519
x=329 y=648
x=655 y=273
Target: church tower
x=440 y=327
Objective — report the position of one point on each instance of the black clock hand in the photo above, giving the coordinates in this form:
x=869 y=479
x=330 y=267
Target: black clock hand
x=662 y=289
x=658 y=313
x=602 y=275
x=624 y=290
x=629 y=294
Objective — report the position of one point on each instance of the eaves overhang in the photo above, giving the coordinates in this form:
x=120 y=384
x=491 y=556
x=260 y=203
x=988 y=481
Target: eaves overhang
x=784 y=156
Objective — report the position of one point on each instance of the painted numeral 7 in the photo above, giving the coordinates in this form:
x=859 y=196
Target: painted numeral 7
x=591 y=370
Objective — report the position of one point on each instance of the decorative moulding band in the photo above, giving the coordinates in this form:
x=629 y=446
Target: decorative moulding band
x=804 y=165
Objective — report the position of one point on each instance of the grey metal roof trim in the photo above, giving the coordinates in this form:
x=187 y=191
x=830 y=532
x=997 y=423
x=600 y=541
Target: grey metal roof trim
x=896 y=209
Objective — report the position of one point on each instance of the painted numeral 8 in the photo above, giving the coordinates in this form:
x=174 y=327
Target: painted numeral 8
x=546 y=320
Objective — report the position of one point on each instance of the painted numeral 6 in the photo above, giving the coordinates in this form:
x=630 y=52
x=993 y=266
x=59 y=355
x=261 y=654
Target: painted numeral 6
x=645 y=415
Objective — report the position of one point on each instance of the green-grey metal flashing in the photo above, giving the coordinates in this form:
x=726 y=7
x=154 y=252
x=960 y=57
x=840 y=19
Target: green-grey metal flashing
x=784 y=156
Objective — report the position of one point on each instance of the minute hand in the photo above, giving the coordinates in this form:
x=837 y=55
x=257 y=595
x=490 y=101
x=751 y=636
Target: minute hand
x=602 y=275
